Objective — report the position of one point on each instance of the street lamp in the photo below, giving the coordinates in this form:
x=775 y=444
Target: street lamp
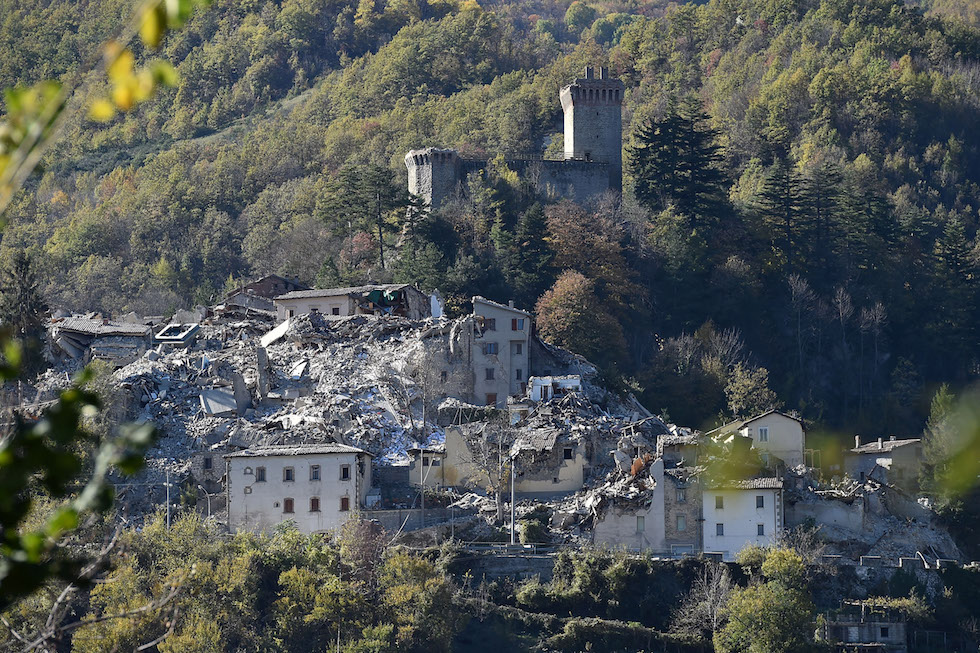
x=208 y=495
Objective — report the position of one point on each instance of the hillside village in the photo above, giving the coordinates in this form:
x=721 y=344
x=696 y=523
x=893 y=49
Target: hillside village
x=313 y=406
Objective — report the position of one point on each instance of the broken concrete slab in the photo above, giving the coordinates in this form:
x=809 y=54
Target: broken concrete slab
x=218 y=402
x=275 y=335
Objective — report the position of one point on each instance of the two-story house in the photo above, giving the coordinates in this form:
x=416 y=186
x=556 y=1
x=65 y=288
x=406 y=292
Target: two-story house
x=318 y=486
x=737 y=514
x=500 y=352
x=773 y=433
x=335 y=303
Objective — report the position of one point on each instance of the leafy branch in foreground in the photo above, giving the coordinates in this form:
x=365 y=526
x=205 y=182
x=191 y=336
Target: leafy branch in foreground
x=35 y=114
x=43 y=456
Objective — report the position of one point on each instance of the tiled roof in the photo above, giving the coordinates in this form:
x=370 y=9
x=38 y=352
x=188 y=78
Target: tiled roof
x=738 y=425
x=766 y=483
x=886 y=445
x=99 y=328
x=490 y=302
x=339 y=292
x=295 y=450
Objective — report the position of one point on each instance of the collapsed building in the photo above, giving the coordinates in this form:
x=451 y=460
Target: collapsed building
x=84 y=338
x=401 y=300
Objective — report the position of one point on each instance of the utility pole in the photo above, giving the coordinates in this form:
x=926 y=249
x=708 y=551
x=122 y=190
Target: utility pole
x=168 y=498
x=513 y=507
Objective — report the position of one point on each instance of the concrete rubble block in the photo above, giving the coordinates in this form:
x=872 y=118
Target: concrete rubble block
x=275 y=335
x=218 y=402
x=243 y=400
x=262 y=365
x=623 y=461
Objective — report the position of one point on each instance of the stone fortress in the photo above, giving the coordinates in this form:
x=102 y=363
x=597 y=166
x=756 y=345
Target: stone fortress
x=592 y=162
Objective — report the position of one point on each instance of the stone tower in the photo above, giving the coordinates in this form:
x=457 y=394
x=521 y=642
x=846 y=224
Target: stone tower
x=433 y=173
x=594 y=122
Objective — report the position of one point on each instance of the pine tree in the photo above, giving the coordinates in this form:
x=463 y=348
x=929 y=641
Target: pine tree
x=22 y=307
x=782 y=210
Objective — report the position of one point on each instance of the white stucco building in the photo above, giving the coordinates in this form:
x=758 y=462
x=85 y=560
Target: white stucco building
x=318 y=486
x=772 y=433
x=737 y=514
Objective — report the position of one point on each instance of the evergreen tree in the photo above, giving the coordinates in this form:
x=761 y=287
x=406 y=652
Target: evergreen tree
x=23 y=308
x=821 y=196
x=783 y=212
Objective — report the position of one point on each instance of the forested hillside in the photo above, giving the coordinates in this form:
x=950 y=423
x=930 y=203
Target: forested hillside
x=799 y=223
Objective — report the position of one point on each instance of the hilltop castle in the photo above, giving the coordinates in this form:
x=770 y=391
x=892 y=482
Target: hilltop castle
x=593 y=158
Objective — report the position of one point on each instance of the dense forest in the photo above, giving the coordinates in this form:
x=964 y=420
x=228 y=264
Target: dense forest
x=798 y=224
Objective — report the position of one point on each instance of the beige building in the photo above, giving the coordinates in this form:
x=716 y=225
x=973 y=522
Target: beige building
x=500 y=352
x=901 y=460
x=634 y=524
x=318 y=486
x=389 y=299
x=773 y=433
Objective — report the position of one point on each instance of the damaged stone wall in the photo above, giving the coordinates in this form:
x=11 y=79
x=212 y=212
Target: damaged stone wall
x=682 y=511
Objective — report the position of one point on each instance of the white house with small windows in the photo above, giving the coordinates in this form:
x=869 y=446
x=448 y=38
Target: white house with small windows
x=772 y=433
x=737 y=514
x=318 y=486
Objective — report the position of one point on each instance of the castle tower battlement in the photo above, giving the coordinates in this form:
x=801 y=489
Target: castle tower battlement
x=593 y=157
x=594 y=121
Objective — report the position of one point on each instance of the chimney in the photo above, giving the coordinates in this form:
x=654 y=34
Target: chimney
x=857 y=441
x=511 y=304
x=588 y=72
x=880 y=444
x=603 y=72
x=891 y=438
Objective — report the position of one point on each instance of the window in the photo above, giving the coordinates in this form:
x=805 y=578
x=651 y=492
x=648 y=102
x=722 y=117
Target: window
x=681 y=494
x=763 y=434
x=884 y=632
x=425 y=461
x=517 y=324
x=517 y=348
x=682 y=522
x=345 y=472
x=314 y=504
x=640 y=523
x=489 y=348
x=287 y=505
x=720 y=530
x=208 y=463
x=554 y=479
x=292 y=313
x=719 y=503
x=568 y=453
x=760 y=501
x=314 y=309
x=765 y=458
x=344 y=504
x=520 y=374
x=760 y=530
x=489 y=373
x=335 y=310
x=260 y=474
x=287 y=474
x=490 y=324
x=443 y=376
x=436 y=462
x=491 y=399
x=314 y=472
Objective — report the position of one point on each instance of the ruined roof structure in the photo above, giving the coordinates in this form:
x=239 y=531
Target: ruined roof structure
x=592 y=162
x=739 y=424
x=881 y=445
x=296 y=450
x=340 y=292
